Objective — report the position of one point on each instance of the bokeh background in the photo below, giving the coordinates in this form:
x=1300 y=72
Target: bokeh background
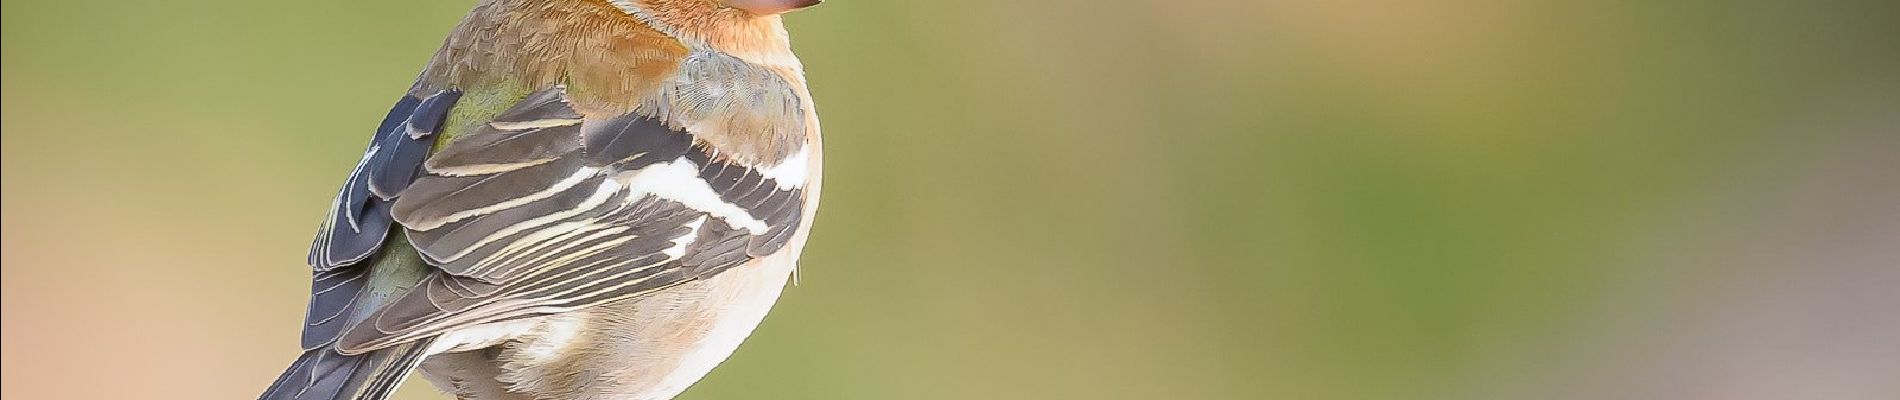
x=1068 y=199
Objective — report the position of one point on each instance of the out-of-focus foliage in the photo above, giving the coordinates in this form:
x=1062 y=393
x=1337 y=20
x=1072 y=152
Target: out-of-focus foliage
x=1068 y=199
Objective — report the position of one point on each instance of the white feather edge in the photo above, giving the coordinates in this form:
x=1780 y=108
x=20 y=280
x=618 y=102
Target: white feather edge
x=679 y=181
x=791 y=172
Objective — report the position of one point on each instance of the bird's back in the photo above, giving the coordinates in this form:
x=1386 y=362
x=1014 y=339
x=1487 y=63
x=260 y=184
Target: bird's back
x=575 y=200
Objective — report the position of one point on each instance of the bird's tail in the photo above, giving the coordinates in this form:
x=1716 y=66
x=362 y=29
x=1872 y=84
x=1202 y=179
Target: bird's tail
x=324 y=374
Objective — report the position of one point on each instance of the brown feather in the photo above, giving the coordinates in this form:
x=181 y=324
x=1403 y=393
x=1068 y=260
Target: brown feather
x=634 y=58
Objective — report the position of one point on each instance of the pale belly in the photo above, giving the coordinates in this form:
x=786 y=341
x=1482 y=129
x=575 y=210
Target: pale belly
x=646 y=348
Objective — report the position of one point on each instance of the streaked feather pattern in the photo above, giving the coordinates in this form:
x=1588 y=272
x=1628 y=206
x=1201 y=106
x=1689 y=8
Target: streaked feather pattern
x=685 y=149
x=542 y=210
x=358 y=221
x=327 y=375
x=359 y=218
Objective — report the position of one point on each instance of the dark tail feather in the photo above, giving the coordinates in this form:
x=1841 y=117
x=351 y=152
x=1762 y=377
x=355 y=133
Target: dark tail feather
x=324 y=374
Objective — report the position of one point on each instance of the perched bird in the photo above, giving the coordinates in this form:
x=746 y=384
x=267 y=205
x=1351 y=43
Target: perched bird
x=577 y=199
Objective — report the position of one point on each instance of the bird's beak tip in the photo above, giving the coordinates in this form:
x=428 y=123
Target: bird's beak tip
x=771 y=7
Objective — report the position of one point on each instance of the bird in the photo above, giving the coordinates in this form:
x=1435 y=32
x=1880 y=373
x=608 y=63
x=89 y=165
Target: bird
x=575 y=200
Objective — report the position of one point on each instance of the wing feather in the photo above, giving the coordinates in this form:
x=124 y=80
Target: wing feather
x=358 y=221
x=542 y=210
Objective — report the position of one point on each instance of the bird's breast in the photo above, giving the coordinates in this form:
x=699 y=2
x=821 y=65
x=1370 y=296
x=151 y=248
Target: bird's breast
x=649 y=347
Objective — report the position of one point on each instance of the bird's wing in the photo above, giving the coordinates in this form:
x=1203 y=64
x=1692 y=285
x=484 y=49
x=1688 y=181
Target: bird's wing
x=542 y=211
x=359 y=221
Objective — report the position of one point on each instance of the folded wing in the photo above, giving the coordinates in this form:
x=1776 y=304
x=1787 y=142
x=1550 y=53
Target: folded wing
x=542 y=211
x=358 y=222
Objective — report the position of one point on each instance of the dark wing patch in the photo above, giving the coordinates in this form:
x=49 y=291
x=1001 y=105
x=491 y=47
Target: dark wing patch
x=533 y=134
x=758 y=195
x=332 y=295
x=630 y=142
x=359 y=217
x=399 y=156
x=359 y=221
x=541 y=211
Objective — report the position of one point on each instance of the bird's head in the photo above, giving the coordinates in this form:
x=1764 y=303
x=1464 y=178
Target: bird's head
x=770 y=7
x=714 y=9
x=740 y=27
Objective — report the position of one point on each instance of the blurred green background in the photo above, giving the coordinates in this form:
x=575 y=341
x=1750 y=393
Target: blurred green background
x=1068 y=199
